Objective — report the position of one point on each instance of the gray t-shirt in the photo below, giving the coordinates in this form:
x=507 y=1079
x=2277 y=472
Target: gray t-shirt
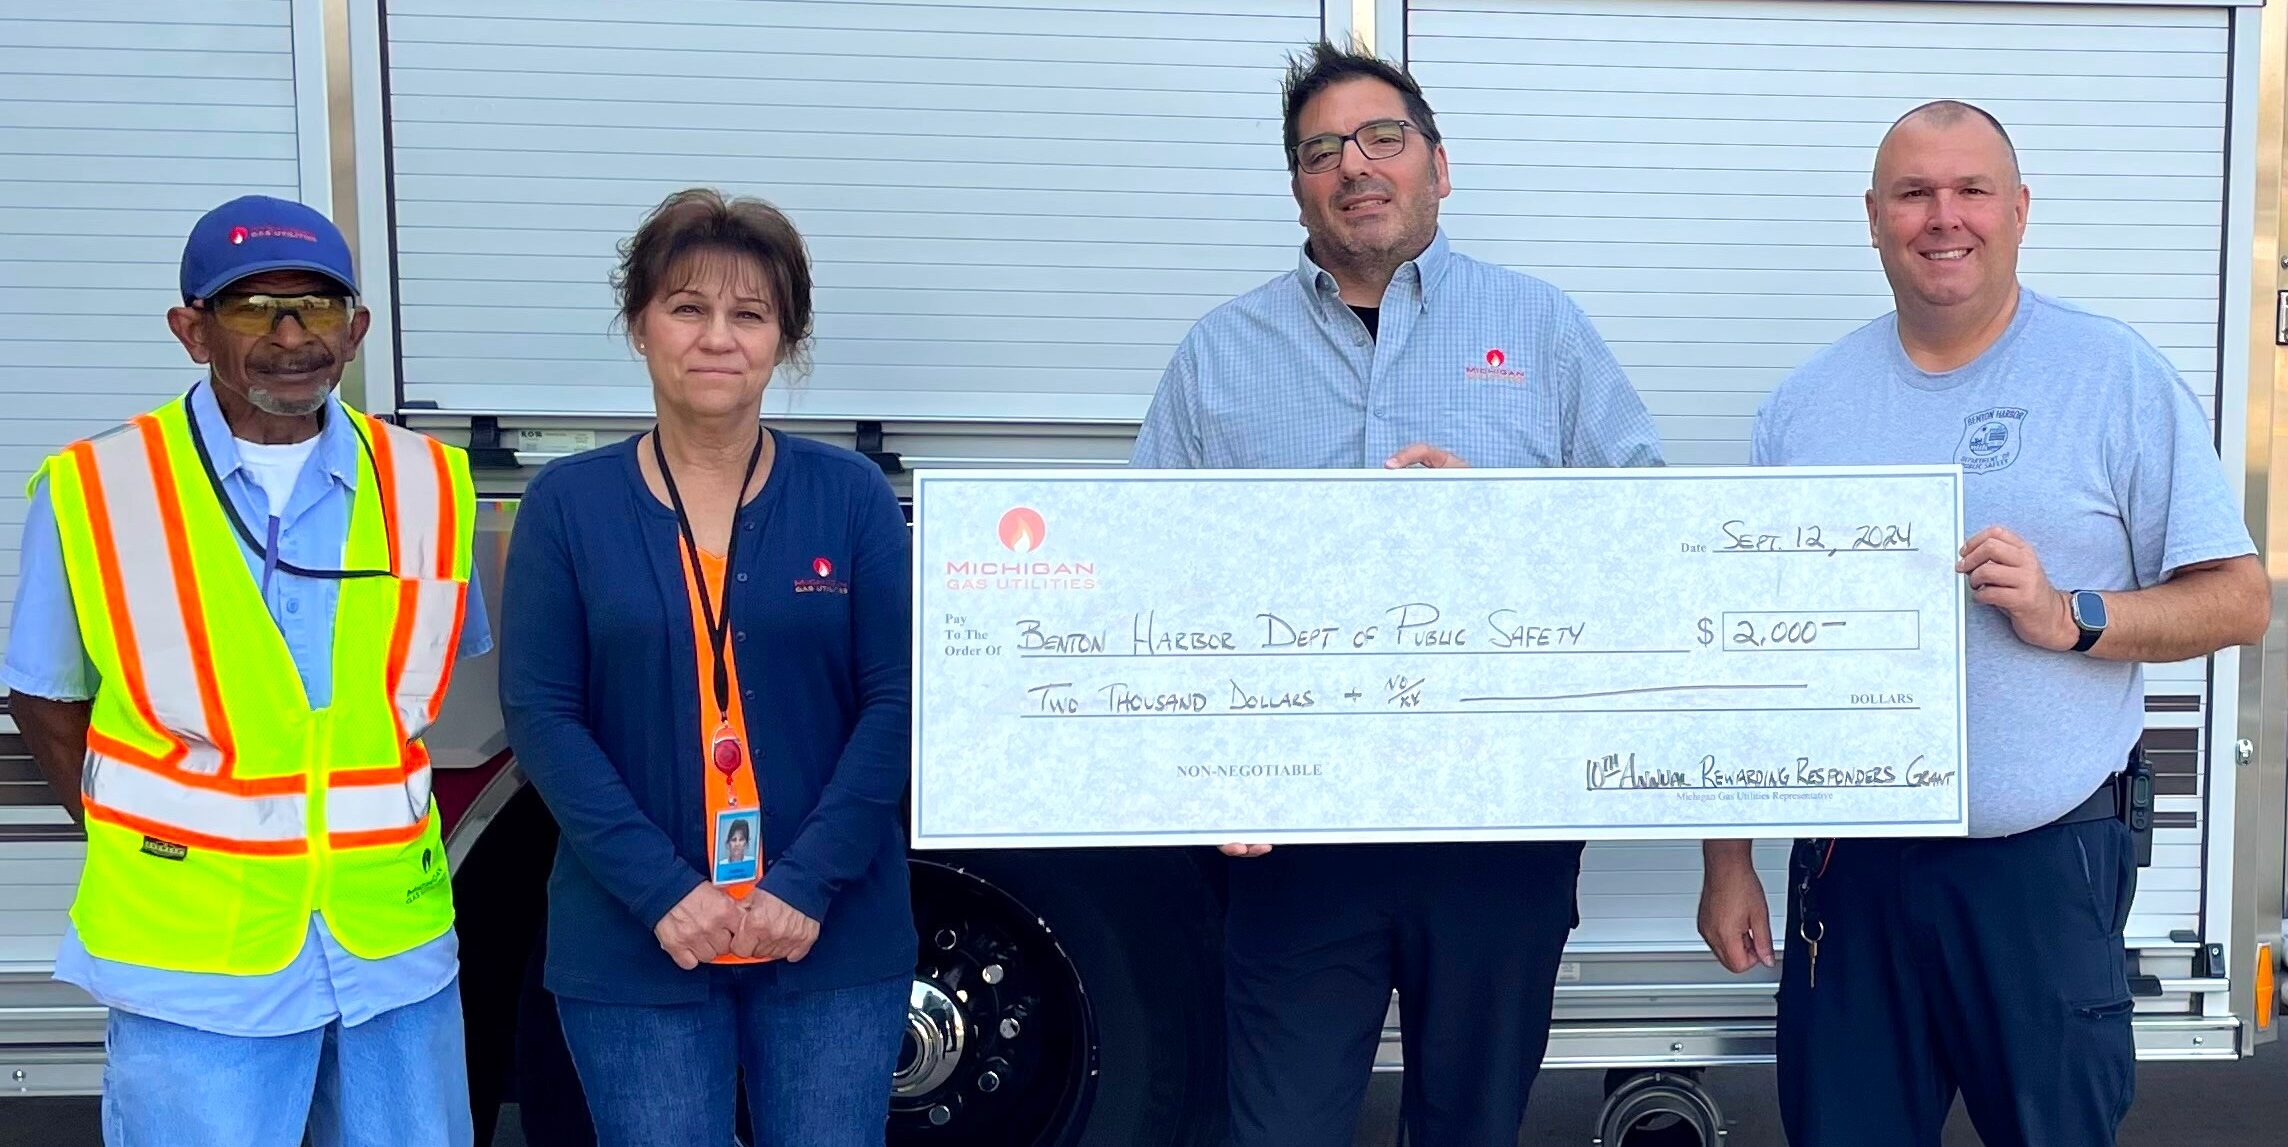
x=2074 y=432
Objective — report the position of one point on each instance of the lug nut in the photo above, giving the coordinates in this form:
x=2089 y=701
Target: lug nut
x=940 y=1115
x=993 y=973
x=946 y=939
x=1010 y=1028
x=989 y=1081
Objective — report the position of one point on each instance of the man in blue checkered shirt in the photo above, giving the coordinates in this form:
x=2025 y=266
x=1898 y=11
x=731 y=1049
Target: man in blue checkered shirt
x=1386 y=348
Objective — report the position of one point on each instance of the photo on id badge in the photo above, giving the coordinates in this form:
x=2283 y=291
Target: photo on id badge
x=737 y=832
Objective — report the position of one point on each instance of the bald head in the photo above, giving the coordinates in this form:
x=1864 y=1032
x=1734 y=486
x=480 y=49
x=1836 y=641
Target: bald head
x=1948 y=114
x=1947 y=212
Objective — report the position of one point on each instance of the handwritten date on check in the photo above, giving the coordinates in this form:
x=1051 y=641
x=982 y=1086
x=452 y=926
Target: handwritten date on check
x=1195 y=657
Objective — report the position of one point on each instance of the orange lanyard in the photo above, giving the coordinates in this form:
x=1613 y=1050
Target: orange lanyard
x=734 y=804
x=734 y=854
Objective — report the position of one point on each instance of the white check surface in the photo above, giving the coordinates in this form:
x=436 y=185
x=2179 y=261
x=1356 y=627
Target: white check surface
x=1156 y=657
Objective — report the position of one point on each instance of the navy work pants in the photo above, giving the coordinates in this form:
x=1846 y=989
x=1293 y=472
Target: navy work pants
x=1989 y=967
x=1316 y=938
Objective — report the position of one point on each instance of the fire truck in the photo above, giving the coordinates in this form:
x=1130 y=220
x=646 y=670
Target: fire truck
x=1015 y=209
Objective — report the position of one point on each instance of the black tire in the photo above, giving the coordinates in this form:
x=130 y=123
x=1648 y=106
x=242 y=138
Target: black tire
x=1140 y=935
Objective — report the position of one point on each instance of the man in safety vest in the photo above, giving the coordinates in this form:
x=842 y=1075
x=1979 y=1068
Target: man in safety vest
x=236 y=616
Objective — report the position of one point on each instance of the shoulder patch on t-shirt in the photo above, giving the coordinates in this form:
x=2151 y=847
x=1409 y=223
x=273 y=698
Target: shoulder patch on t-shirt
x=1990 y=439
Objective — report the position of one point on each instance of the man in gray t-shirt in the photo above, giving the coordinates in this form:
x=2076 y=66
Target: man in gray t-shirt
x=2104 y=536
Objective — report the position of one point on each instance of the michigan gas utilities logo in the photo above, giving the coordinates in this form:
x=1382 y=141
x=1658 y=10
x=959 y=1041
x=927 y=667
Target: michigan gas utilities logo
x=1021 y=531
x=1496 y=368
x=1991 y=439
x=822 y=579
x=240 y=235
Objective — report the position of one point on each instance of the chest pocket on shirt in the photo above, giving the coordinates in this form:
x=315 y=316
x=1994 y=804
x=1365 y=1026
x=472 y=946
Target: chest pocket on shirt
x=1503 y=422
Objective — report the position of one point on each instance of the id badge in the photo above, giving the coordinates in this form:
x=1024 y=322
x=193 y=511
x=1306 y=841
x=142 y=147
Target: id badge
x=738 y=832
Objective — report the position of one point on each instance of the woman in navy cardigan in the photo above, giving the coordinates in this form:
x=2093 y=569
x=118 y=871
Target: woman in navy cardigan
x=704 y=664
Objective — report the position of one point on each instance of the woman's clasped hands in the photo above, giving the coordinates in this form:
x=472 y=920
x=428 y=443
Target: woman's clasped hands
x=708 y=923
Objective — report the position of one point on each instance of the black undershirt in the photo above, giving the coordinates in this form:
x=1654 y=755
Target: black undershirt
x=1372 y=317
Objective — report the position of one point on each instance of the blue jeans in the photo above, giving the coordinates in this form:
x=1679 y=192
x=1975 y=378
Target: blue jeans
x=817 y=1064
x=396 y=1080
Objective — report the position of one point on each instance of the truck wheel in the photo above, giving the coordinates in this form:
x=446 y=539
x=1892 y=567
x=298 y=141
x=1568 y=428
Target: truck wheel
x=1063 y=999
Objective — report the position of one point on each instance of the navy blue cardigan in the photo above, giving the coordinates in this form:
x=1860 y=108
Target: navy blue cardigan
x=598 y=685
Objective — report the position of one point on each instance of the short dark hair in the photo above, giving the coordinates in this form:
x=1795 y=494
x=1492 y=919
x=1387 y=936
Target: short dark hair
x=1324 y=65
x=701 y=220
x=738 y=831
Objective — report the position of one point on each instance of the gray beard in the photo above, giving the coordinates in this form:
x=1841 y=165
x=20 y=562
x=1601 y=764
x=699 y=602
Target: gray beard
x=269 y=403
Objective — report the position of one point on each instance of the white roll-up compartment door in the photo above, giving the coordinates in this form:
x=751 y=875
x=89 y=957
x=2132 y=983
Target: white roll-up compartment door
x=1015 y=209
x=1692 y=172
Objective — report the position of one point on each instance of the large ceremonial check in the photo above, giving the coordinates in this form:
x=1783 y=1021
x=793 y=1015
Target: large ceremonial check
x=1198 y=657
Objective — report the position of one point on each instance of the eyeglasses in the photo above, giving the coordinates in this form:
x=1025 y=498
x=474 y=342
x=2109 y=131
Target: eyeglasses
x=255 y=316
x=1378 y=140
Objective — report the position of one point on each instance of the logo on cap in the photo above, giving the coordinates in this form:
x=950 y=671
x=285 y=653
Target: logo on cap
x=1022 y=529
x=237 y=235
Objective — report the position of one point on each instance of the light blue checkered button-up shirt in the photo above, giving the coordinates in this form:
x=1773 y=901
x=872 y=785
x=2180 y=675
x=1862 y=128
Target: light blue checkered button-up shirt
x=1495 y=366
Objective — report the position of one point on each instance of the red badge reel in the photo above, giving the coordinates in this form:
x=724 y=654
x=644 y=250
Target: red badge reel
x=727 y=755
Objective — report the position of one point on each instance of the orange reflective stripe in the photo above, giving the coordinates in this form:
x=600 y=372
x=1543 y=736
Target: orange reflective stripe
x=129 y=754
x=115 y=600
x=187 y=590
x=400 y=647
x=358 y=778
x=414 y=757
x=448 y=525
x=126 y=754
x=380 y=836
x=189 y=839
x=385 y=469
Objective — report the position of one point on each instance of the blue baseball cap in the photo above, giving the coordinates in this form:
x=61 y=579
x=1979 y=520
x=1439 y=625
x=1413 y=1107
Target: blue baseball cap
x=256 y=233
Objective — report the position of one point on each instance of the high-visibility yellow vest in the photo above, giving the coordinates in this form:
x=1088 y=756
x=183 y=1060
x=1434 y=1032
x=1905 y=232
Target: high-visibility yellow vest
x=221 y=808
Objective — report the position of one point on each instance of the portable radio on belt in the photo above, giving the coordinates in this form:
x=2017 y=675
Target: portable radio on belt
x=2137 y=805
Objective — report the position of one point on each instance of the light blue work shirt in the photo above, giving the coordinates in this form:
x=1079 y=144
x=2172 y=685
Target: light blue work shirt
x=46 y=658
x=1496 y=366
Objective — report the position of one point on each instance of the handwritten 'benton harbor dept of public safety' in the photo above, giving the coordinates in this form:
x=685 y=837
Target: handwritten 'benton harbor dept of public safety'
x=1308 y=656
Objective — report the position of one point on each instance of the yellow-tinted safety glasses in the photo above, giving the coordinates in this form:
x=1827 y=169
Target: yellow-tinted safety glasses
x=255 y=316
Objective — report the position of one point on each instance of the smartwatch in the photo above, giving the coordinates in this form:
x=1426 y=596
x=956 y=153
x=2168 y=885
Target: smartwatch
x=2088 y=609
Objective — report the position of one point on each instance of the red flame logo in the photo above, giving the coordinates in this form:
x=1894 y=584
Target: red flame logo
x=1022 y=529
x=1495 y=357
x=237 y=235
x=822 y=567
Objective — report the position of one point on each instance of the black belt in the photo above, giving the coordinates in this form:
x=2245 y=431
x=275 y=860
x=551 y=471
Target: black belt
x=2104 y=804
